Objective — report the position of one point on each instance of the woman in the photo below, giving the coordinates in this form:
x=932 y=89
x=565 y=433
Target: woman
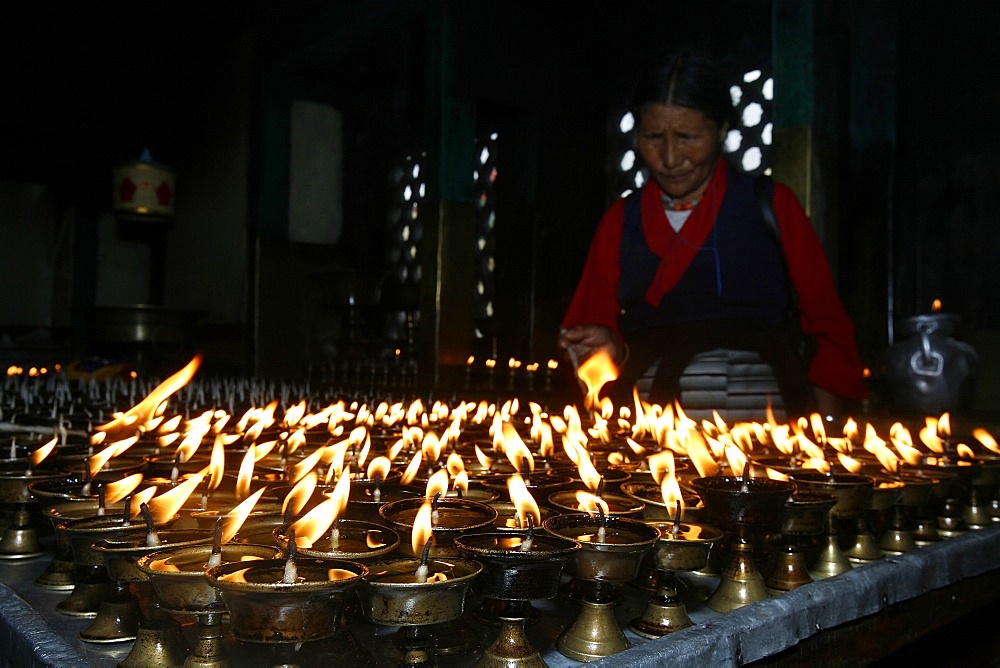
x=689 y=263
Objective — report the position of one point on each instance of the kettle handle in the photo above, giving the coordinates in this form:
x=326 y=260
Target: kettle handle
x=926 y=362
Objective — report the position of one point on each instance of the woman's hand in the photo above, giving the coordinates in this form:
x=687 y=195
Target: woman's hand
x=582 y=341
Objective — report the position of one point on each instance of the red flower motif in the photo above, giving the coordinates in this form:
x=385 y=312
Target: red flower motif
x=126 y=190
x=163 y=194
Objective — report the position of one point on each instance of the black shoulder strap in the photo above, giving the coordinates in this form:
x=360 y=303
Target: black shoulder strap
x=763 y=187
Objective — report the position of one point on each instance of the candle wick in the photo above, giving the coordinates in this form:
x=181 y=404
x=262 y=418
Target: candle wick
x=602 y=519
x=425 y=555
x=745 y=477
x=217 y=536
x=291 y=574
x=152 y=540
x=127 y=512
x=677 y=520
x=529 y=536
x=100 y=500
x=600 y=487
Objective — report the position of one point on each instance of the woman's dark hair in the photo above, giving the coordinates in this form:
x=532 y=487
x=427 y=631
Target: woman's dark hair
x=687 y=80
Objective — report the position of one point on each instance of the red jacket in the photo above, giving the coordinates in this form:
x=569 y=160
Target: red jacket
x=836 y=365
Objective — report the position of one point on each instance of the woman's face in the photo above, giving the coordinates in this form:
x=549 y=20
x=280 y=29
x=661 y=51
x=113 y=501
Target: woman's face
x=679 y=146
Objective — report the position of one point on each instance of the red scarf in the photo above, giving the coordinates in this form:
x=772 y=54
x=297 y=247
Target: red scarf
x=677 y=249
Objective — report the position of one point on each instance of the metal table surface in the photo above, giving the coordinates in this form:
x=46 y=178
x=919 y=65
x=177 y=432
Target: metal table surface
x=34 y=633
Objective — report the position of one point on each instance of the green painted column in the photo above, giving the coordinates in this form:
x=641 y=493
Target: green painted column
x=446 y=257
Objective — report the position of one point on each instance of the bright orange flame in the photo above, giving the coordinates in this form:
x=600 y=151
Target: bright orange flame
x=670 y=489
x=818 y=427
x=784 y=443
x=145 y=409
x=39 y=455
x=929 y=436
x=189 y=445
x=317 y=521
x=379 y=468
x=594 y=372
x=484 y=461
x=661 y=464
x=702 y=459
x=139 y=498
x=437 y=484
x=776 y=475
x=875 y=445
x=119 y=489
x=300 y=494
x=822 y=465
x=986 y=438
x=850 y=463
x=523 y=501
x=238 y=515
x=944 y=425
x=964 y=451
x=410 y=473
x=307 y=464
x=422 y=528
x=589 y=503
x=294 y=414
x=589 y=474
x=216 y=464
x=454 y=464
x=431 y=447
x=737 y=460
x=515 y=449
x=245 y=475
x=461 y=482
x=936 y=305
x=166 y=505
x=99 y=459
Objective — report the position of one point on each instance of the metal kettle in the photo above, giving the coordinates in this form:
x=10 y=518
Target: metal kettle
x=930 y=372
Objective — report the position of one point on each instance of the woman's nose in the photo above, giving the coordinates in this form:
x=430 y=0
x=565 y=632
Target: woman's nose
x=669 y=153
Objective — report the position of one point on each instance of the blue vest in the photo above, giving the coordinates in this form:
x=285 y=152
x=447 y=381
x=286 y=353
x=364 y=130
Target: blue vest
x=737 y=274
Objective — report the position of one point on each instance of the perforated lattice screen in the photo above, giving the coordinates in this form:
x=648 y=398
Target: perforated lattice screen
x=405 y=225
x=485 y=176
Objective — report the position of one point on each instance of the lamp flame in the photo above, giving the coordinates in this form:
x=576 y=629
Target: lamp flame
x=146 y=409
x=521 y=497
x=422 y=528
x=216 y=464
x=850 y=463
x=515 y=449
x=379 y=468
x=300 y=494
x=697 y=450
x=166 y=505
x=238 y=515
x=986 y=438
x=594 y=372
x=119 y=489
x=245 y=475
x=661 y=464
x=437 y=484
x=670 y=489
x=589 y=503
x=484 y=461
x=317 y=521
x=39 y=455
x=410 y=473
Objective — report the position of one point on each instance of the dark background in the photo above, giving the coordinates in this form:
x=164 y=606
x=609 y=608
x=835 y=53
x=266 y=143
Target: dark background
x=909 y=109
